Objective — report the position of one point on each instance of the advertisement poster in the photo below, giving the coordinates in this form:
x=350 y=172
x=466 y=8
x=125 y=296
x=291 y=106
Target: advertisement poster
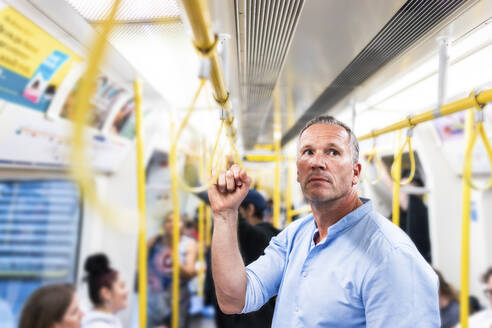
x=106 y=94
x=124 y=122
x=32 y=63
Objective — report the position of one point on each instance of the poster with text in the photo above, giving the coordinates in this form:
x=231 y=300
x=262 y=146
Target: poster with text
x=32 y=62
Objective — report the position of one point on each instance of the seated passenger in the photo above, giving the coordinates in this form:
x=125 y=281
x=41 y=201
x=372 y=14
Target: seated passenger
x=51 y=306
x=448 y=303
x=160 y=271
x=107 y=292
x=484 y=318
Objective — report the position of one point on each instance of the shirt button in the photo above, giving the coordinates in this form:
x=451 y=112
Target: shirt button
x=297 y=309
x=304 y=274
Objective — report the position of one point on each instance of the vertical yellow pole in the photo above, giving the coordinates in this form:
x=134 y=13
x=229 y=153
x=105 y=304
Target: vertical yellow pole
x=142 y=226
x=201 y=246
x=276 y=141
x=396 y=184
x=465 y=223
x=176 y=219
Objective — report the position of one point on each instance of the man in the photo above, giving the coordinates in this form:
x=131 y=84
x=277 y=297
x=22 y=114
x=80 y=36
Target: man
x=252 y=209
x=483 y=319
x=343 y=266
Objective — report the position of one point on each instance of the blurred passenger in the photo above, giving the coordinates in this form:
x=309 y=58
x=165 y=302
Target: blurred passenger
x=448 y=303
x=190 y=229
x=414 y=219
x=483 y=319
x=51 y=306
x=107 y=292
x=252 y=209
x=160 y=270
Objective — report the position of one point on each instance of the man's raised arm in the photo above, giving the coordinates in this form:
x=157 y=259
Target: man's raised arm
x=228 y=268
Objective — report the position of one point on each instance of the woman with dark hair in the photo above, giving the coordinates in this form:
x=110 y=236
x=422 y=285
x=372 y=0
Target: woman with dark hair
x=448 y=303
x=107 y=292
x=51 y=306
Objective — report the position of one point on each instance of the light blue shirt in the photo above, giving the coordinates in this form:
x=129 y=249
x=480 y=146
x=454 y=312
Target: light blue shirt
x=365 y=273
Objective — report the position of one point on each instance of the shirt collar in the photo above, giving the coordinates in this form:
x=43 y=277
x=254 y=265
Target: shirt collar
x=346 y=222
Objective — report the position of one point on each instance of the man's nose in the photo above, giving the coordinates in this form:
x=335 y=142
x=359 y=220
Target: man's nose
x=318 y=161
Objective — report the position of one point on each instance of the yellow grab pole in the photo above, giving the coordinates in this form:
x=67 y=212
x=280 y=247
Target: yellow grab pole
x=176 y=219
x=465 y=223
x=276 y=142
x=142 y=227
x=396 y=185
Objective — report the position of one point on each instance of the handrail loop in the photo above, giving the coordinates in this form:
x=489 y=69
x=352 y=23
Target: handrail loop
x=374 y=156
x=398 y=158
x=175 y=139
x=478 y=128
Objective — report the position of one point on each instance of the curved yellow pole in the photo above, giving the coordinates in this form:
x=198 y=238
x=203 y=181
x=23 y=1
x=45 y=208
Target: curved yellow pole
x=142 y=227
x=80 y=168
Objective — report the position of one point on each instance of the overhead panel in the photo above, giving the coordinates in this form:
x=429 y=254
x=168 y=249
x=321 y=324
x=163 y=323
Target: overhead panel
x=411 y=22
x=264 y=32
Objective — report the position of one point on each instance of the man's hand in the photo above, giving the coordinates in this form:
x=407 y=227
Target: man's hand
x=229 y=191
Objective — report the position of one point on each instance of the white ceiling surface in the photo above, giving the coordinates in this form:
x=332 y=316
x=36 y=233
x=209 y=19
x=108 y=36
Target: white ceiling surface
x=329 y=35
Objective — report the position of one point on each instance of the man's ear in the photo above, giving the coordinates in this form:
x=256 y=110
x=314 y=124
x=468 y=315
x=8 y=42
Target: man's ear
x=357 y=168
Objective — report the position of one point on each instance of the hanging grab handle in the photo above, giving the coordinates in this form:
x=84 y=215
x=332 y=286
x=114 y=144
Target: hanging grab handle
x=398 y=159
x=374 y=156
x=478 y=129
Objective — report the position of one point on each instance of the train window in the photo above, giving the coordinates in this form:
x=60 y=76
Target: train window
x=39 y=239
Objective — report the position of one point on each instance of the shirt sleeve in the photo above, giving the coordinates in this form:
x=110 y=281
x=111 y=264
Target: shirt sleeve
x=265 y=274
x=402 y=292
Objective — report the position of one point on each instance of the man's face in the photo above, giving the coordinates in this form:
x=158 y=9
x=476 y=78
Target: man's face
x=324 y=163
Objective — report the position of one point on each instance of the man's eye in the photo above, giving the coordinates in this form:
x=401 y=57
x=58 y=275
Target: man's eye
x=307 y=152
x=334 y=152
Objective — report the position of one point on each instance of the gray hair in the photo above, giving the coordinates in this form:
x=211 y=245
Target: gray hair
x=327 y=119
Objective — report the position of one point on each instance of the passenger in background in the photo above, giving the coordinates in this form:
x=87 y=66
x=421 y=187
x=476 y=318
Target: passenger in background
x=414 y=219
x=252 y=209
x=51 y=306
x=107 y=292
x=160 y=270
x=483 y=319
x=448 y=303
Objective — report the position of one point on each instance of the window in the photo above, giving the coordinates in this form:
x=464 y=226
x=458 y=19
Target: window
x=39 y=239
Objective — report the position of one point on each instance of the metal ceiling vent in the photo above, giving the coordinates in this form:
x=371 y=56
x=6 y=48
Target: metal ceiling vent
x=264 y=31
x=414 y=19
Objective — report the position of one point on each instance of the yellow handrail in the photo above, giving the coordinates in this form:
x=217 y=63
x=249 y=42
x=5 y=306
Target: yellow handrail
x=301 y=210
x=205 y=42
x=142 y=228
x=457 y=106
x=201 y=246
x=396 y=176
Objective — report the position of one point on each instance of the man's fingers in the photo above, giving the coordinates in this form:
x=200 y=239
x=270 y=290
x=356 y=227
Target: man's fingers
x=236 y=170
x=230 y=182
x=221 y=182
